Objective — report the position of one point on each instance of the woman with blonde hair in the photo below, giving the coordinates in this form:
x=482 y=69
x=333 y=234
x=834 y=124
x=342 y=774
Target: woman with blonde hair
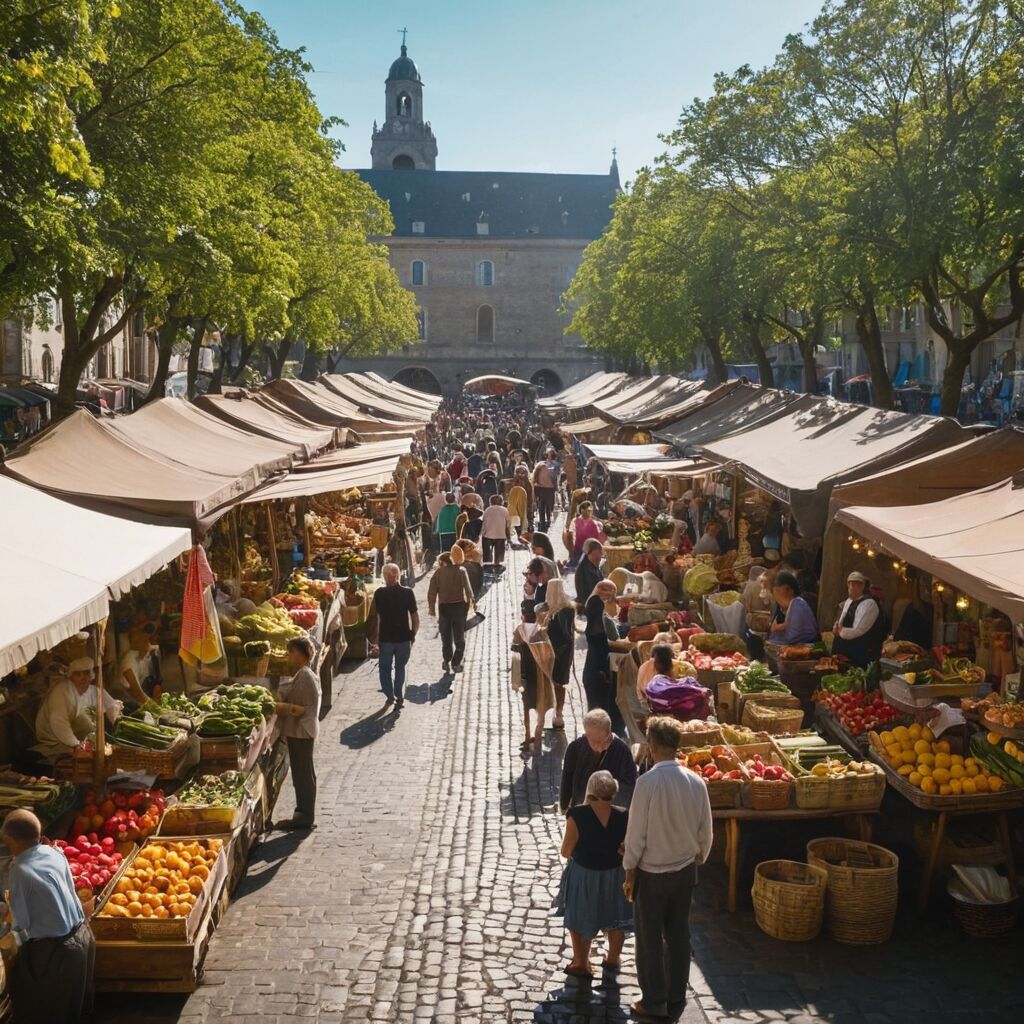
x=591 y=898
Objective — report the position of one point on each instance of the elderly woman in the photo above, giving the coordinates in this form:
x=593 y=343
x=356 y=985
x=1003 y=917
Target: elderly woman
x=558 y=615
x=662 y=662
x=591 y=898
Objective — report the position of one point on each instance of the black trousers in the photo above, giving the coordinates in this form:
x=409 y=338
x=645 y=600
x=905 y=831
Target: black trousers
x=494 y=550
x=545 y=506
x=662 y=922
x=303 y=769
x=451 y=622
x=51 y=979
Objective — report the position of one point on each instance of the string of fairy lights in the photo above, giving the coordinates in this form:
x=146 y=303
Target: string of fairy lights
x=873 y=551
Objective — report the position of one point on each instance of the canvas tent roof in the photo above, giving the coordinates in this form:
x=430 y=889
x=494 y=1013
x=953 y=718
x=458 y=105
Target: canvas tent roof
x=628 y=452
x=973 y=541
x=381 y=386
x=82 y=458
x=587 y=426
x=584 y=392
x=819 y=442
x=319 y=404
x=63 y=563
x=663 y=467
x=197 y=439
x=689 y=395
x=391 y=448
x=243 y=412
x=324 y=480
x=635 y=397
x=393 y=408
x=727 y=409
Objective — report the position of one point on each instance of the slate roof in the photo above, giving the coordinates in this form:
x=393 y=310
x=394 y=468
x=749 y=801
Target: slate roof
x=512 y=204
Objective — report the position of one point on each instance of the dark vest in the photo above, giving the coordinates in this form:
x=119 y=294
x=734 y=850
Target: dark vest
x=863 y=650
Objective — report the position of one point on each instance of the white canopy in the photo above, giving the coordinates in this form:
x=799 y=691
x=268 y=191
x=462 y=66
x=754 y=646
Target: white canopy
x=61 y=564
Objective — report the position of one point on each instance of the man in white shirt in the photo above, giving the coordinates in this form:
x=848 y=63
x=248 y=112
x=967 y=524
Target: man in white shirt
x=859 y=630
x=299 y=721
x=67 y=716
x=669 y=834
x=495 y=532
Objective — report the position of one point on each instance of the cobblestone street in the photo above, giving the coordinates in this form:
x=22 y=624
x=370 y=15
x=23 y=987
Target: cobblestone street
x=425 y=892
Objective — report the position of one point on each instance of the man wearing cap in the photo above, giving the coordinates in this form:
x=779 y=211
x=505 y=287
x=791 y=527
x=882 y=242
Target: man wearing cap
x=859 y=630
x=67 y=716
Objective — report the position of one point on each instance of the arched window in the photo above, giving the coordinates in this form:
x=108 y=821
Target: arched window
x=485 y=325
x=403 y=163
x=47 y=365
x=417 y=273
x=485 y=273
x=403 y=106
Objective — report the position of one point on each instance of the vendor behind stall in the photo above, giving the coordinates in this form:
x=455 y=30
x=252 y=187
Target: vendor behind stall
x=140 y=665
x=67 y=716
x=860 y=629
x=799 y=624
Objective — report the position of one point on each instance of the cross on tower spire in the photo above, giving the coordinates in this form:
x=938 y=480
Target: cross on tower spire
x=403 y=32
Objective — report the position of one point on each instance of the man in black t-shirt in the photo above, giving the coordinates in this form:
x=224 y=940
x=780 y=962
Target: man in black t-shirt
x=394 y=630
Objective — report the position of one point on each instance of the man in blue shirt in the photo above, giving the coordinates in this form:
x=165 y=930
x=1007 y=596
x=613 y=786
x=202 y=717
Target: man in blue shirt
x=800 y=625
x=52 y=975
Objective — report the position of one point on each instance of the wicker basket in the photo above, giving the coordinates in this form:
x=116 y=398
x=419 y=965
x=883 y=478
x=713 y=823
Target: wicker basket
x=724 y=794
x=789 y=899
x=772 y=720
x=857 y=792
x=812 y=792
x=706 y=738
x=161 y=763
x=985 y=920
x=618 y=556
x=862 y=889
x=769 y=794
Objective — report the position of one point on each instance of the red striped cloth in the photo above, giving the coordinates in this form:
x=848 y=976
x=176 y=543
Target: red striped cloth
x=194 y=621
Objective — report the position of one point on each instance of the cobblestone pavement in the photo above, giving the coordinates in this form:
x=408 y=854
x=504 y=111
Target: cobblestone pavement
x=425 y=892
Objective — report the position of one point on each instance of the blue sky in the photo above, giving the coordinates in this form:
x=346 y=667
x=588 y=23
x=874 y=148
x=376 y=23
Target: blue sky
x=532 y=85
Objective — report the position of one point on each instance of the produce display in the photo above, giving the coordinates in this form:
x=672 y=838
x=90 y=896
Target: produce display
x=164 y=880
x=129 y=731
x=225 y=790
x=930 y=765
x=306 y=586
x=339 y=522
x=174 y=709
x=714 y=662
x=1002 y=757
x=953 y=670
x=46 y=797
x=93 y=862
x=757 y=678
x=717 y=643
x=838 y=768
x=701 y=579
x=1011 y=716
x=269 y=625
x=844 y=682
x=857 y=711
x=123 y=816
x=302 y=609
x=235 y=710
x=756 y=768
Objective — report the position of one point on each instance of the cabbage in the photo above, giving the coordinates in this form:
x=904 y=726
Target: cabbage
x=701 y=579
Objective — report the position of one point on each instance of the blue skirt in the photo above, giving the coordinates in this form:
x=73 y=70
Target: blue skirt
x=592 y=901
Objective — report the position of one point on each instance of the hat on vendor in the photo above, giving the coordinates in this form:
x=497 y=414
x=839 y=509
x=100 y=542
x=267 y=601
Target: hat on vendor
x=857 y=577
x=82 y=665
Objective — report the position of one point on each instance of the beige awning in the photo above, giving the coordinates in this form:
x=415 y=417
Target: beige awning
x=242 y=411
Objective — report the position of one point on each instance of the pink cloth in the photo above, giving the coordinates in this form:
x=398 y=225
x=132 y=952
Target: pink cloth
x=583 y=530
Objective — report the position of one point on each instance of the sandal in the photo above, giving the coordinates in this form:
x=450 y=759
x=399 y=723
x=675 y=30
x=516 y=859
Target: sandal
x=611 y=968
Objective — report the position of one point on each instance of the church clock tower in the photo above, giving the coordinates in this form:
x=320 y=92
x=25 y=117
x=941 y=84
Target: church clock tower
x=404 y=141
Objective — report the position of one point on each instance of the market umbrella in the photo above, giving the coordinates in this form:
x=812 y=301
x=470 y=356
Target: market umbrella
x=494 y=384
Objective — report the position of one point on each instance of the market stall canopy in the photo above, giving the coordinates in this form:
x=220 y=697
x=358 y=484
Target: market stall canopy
x=729 y=408
x=818 y=443
x=186 y=434
x=637 y=396
x=666 y=467
x=587 y=391
x=628 y=452
x=381 y=386
x=62 y=563
x=370 y=451
x=973 y=541
x=676 y=403
x=593 y=425
x=82 y=459
x=321 y=405
x=942 y=474
x=494 y=384
x=324 y=480
x=385 y=409
x=240 y=410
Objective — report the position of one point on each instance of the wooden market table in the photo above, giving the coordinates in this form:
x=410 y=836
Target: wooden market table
x=735 y=817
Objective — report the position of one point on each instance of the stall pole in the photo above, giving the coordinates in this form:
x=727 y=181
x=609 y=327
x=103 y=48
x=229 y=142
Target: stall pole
x=273 y=547
x=100 y=754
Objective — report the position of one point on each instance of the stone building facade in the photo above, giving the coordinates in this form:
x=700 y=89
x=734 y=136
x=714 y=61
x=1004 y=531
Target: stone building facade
x=488 y=255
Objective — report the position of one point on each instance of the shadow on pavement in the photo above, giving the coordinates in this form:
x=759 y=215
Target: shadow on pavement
x=431 y=693
x=536 y=789
x=271 y=854
x=368 y=730
x=583 y=1002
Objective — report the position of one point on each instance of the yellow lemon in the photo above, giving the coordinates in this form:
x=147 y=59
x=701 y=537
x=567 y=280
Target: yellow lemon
x=923 y=747
x=924 y=770
x=941 y=776
x=968 y=786
x=915 y=731
x=942 y=747
x=901 y=733
x=957 y=758
x=956 y=786
x=905 y=769
x=908 y=757
x=971 y=770
x=969 y=761
x=915 y=779
x=945 y=790
x=994 y=783
x=928 y=759
x=957 y=771
x=926 y=733
x=942 y=760
x=928 y=785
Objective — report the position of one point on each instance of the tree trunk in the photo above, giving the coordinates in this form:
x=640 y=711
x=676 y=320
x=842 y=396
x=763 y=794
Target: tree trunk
x=245 y=352
x=166 y=335
x=333 y=359
x=765 y=370
x=869 y=333
x=71 y=370
x=278 y=357
x=310 y=369
x=719 y=372
x=195 y=350
x=959 y=359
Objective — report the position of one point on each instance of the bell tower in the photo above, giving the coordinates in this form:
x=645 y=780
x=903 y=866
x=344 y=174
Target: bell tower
x=404 y=141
